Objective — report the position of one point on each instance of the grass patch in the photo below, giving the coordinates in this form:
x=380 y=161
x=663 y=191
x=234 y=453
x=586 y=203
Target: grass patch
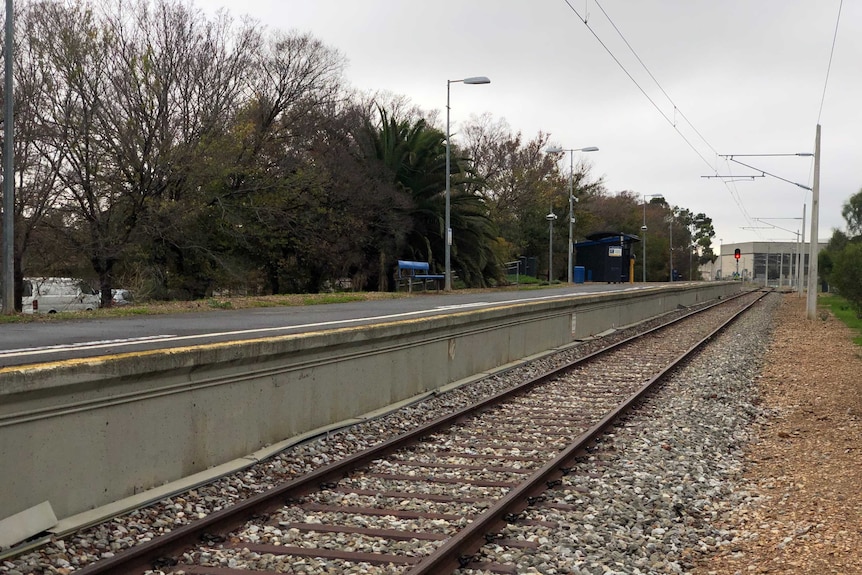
x=525 y=280
x=326 y=298
x=125 y=311
x=842 y=309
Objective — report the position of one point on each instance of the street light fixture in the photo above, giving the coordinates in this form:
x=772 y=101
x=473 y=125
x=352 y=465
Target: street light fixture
x=572 y=198
x=448 y=241
x=644 y=230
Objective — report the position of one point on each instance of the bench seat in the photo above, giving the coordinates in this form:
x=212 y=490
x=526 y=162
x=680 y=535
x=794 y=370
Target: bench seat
x=410 y=272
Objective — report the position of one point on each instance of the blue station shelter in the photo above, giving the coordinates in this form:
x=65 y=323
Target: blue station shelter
x=605 y=256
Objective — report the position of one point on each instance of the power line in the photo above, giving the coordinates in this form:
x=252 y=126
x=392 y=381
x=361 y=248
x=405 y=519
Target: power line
x=829 y=66
x=627 y=73
x=666 y=95
x=734 y=193
x=826 y=80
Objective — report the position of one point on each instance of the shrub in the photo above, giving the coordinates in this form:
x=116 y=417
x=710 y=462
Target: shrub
x=846 y=274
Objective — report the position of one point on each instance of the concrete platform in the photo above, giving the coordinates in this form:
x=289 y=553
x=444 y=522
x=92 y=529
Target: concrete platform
x=86 y=432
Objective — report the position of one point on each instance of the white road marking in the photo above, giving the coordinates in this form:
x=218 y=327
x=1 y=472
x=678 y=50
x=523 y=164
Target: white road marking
x=102 y=344
x=83 y=345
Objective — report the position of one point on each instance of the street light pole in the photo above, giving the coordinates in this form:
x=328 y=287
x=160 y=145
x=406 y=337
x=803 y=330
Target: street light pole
x=572 y=198
x=448 y=238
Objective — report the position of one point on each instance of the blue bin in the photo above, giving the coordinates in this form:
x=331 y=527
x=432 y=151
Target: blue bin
x=579 y=275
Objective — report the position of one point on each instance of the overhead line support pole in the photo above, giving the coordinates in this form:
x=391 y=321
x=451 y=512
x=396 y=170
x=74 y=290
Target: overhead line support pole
x=9 y=173
x=811 y=307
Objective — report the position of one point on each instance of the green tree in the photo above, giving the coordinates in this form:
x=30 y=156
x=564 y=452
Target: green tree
x=852 y=212
x=841 y=261
x=522 y=183
x=415 y=154
x=846 y=273
x=331 y=215
x=245 y=190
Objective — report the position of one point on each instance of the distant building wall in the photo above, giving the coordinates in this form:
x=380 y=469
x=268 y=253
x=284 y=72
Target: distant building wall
x=769 y=263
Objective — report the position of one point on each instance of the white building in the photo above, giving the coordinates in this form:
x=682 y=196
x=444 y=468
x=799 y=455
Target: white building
x=768 y=263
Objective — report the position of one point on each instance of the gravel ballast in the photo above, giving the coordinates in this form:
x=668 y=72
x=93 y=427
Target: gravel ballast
x=645 y=504
x=647 y=499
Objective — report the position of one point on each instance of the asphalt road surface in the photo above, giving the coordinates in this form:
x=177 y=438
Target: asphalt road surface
x=40 y=342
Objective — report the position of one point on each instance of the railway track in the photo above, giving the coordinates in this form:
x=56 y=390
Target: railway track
x=426 y=501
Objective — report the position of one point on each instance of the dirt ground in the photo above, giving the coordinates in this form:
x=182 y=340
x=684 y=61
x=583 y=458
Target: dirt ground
x=805 y=463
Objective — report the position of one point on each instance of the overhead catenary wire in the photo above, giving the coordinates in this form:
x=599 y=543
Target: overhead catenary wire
x=826 y=79
x=647 y=96
x=734 y=193
x=676 y=108
x=829 y=65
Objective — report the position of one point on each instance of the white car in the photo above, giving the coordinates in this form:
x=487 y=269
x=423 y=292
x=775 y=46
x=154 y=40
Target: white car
x=52 y=295
x=121 y=297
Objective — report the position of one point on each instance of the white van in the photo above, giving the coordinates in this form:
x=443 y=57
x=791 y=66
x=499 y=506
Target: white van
x=52 y=295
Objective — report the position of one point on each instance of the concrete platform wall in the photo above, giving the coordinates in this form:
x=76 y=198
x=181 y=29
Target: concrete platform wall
x=85 y=433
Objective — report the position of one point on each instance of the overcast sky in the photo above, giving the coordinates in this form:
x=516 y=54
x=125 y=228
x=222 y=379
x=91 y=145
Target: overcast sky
x=748 y=76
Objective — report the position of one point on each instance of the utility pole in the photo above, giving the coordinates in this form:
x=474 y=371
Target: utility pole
x=8 y=176
x=811 y=308
x=800 y=275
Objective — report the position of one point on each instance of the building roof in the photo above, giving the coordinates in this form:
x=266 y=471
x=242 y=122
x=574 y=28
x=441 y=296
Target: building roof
x=608 y=238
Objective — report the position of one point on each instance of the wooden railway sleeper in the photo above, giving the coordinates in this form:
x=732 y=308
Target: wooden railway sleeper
x=162 y=562
x=210 y=538
x=465 y=560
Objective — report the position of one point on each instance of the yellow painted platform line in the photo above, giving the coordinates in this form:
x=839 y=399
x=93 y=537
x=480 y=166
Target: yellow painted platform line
x=114 y=357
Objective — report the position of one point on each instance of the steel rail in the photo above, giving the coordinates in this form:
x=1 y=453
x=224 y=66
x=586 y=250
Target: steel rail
x=142 y=557
x=458 y=551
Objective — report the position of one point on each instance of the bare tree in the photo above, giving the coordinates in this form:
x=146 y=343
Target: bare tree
x=293 y=75
x=36 y=188
x=178 y=82
x=136 y=93
x=72 y=40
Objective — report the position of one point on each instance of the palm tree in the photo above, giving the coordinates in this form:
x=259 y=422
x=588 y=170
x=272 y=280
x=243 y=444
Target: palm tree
x=415 y=153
